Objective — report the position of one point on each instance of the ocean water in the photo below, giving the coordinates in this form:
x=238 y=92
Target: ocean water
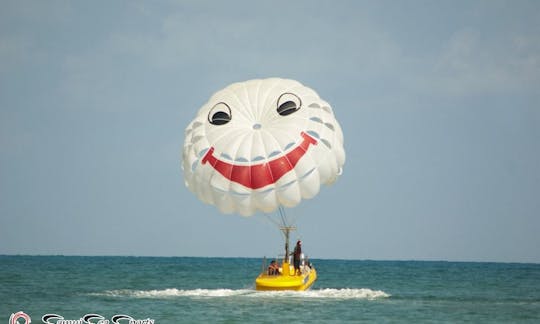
x=221 y=290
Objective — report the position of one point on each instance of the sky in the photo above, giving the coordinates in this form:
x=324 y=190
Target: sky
x=439 y=102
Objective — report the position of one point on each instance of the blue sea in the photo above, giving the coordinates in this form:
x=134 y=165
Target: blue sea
x=221 y=290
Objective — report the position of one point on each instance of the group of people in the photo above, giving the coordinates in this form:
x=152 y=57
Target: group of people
x=273 y=268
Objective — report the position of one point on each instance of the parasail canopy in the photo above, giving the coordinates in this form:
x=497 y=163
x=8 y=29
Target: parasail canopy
x=261 y=144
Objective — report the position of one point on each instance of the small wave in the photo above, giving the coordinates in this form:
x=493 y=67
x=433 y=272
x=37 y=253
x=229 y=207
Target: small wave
x=173 y=292
x=330 y=293
x=347 y=293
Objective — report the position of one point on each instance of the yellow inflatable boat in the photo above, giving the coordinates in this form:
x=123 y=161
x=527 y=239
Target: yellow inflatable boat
x=285 y=277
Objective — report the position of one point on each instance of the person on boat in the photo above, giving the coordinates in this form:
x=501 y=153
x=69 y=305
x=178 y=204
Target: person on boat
x=297 y=256
x=273 y=268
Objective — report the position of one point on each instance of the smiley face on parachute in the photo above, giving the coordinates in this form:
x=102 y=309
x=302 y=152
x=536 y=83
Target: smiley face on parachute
x=259 y=144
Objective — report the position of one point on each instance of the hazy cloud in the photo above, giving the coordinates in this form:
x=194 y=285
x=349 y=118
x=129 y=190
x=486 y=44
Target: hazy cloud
x=469 y=64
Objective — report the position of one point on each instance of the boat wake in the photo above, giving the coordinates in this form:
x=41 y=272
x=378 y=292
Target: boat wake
x=329 y=293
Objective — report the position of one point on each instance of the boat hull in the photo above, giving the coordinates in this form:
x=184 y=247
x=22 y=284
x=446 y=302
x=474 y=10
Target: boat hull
x=290 y=281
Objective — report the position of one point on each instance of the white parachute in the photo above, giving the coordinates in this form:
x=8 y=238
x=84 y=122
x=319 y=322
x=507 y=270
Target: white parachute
x=261 y=144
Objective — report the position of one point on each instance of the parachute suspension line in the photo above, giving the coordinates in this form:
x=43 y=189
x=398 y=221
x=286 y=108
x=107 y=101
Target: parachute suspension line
x=272 y=220
x=285 y=226
x=280 y=220
x=286 y=229
x=282 y=216
x=286 y=220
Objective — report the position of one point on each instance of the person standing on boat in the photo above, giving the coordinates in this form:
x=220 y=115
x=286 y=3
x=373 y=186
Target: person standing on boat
x=297 y=256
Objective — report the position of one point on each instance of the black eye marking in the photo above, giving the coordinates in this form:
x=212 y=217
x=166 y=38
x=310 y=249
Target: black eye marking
x=288 y=103
x=220 y=114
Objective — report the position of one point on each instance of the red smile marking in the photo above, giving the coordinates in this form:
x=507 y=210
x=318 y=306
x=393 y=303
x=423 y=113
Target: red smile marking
x=260 y=175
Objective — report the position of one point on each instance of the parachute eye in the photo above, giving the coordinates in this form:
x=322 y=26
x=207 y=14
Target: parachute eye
x=288 y=103
x=220 y=114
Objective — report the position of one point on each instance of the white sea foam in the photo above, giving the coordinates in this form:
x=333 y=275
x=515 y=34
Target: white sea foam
x=330 y=293
x=173 y=292
x=347 y=293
